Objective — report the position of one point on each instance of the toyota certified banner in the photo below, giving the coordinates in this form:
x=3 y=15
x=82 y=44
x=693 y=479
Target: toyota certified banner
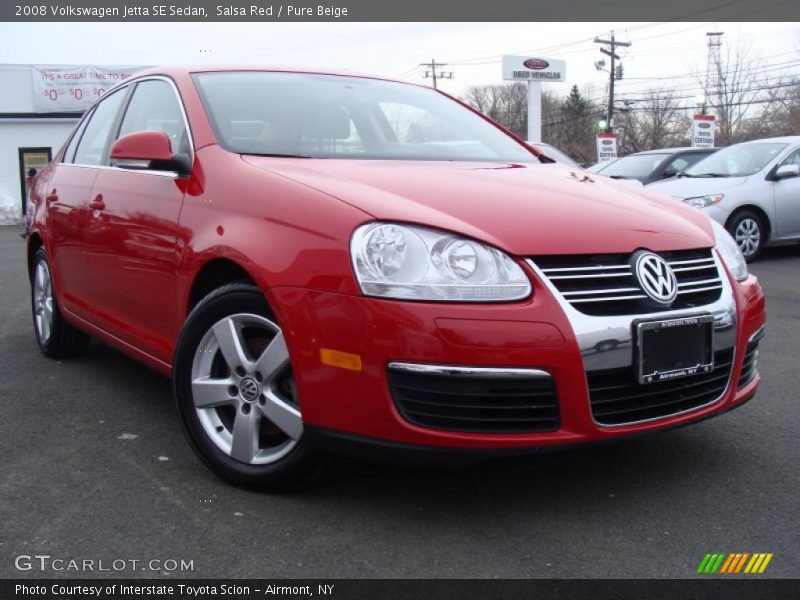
x=703 y=127
x=606 y=146
x=73 y=89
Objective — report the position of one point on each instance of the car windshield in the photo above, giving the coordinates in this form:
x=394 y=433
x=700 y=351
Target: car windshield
x=556 y=154
x=740 y=160
x=330 y=116
x=634 y=166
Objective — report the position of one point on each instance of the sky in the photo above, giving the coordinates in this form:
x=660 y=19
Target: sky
x=661 y=55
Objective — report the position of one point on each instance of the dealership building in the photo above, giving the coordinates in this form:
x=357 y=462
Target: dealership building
x=39 y=107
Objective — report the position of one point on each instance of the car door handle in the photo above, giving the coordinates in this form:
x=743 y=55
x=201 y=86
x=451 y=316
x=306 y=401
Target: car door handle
x=97 y=203
x=52 y=196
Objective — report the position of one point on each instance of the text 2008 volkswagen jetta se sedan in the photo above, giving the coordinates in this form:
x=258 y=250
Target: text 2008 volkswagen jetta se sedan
x=325 y=260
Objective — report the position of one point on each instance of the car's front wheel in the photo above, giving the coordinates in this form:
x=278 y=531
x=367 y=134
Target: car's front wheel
x=747 y=229
x=235 y=392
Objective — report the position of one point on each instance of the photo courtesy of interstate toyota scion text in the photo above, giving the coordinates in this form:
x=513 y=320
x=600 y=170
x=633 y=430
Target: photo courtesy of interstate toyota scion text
x=334 y=263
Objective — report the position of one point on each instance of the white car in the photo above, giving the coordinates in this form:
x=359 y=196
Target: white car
x=752 y=188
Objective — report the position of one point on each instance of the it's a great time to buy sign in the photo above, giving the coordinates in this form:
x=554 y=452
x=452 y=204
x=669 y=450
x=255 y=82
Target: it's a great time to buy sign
x=73 y=88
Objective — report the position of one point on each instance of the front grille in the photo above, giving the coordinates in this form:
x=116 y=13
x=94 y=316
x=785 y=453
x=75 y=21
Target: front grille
x=749 y=364
x=617 y=398
x=605 y=284
x=483 y=403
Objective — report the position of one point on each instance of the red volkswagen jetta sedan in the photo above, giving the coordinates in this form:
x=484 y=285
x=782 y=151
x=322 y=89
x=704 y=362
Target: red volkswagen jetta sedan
x=328 y=261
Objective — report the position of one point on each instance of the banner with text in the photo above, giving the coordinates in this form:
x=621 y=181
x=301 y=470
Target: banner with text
x=606 y=146
x=73 y=88
x=703 y=127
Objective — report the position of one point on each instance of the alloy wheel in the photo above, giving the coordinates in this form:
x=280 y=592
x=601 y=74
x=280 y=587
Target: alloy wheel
x=43 y=301
x=748 y=236
x=243 y=390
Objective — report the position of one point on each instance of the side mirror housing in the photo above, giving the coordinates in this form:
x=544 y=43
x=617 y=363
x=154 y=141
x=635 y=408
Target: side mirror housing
x=786 y=171
x=150 y=150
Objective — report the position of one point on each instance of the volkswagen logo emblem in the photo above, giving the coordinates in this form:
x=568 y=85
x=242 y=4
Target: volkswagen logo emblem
x=249 y=389
x=656 y=278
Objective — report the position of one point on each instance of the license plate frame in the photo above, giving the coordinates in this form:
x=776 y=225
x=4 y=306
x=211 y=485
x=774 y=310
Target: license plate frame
x=656 y=364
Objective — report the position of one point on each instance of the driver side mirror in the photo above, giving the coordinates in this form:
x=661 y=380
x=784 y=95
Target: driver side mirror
x=149 y=150
x=786 y=171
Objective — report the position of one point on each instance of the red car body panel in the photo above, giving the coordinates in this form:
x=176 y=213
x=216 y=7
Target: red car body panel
x=126 y=273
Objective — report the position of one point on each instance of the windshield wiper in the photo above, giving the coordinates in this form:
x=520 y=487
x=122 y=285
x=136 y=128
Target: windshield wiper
x=708 y=175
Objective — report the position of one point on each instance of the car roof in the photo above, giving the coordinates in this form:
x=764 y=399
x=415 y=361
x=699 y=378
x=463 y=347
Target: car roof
x=789 y=139
x=185 y=70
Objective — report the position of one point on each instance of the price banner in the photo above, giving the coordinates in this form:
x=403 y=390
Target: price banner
x=606 y=146
x=703 y=127
x=74 y=88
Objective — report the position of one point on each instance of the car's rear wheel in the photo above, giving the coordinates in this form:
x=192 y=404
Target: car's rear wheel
x=56 y=337
x=235 y=392
x=747 y=228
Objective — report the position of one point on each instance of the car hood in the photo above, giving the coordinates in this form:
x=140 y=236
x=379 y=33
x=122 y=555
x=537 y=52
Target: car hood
x=526 y=209
x=688 y=187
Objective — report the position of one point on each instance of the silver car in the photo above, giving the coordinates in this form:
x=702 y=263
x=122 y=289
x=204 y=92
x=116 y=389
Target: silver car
x=752 y=188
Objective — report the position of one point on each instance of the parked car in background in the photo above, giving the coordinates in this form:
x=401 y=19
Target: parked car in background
x=323 y=262
x=752 y=188
x=556 y=154
x=654 y=165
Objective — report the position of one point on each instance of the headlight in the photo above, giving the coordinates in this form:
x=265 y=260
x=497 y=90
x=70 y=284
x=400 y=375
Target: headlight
x=704 y=201
x=729 y=251
x=415 y=263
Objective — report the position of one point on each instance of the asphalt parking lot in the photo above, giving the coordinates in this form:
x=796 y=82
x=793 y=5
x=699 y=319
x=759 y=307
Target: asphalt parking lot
x=94 y=465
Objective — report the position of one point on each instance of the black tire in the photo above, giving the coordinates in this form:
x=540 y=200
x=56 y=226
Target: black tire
x=285 y=473
x=748 y=229
x=59 y=339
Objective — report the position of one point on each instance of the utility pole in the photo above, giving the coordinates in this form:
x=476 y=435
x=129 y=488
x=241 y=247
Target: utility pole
x=436 y=75
x=611 y=51
x=713 y=61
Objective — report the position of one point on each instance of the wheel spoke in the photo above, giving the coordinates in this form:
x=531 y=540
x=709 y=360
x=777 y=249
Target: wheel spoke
x=45 y=328
x=210 y=393
x=244 y=446
x=283 y=416
x=40 y=277
x=230 y=342
x=274 y=358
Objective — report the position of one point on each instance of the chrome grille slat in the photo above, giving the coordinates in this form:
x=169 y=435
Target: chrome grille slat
x=710 y=261
x=610 y=291
x=592 y=276
x=702 y=289
x=607 y=298
x=600 y=268
x=607 y=285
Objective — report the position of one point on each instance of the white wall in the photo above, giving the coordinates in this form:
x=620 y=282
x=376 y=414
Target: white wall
x=16 y=89
x=19 y=133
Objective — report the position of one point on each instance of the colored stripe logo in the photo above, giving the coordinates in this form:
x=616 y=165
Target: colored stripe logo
x=737 y=562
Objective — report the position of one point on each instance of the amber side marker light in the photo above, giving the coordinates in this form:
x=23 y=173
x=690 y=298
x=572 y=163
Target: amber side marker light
x=337 y=358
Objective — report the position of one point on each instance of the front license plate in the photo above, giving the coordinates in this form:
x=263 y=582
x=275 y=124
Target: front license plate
x=675 y=348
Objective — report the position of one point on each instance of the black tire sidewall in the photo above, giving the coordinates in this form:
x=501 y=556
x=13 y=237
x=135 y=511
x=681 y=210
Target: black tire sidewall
x=285 y=472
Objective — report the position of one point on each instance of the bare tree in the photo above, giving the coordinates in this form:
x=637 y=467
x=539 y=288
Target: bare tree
x=506 y=104
x=656 y=120
x=572 y=127
x=732 y=90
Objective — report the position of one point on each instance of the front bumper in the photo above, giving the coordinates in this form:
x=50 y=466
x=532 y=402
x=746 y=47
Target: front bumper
x=539 y=333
